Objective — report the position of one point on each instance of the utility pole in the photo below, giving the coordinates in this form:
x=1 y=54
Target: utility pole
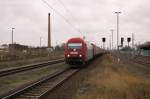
x=40 y=41
x=112 y=31
x=110 y=42
x=133 y=50
x=117 y=13
x=49 y=31
x=12 y=36
x=133 y=40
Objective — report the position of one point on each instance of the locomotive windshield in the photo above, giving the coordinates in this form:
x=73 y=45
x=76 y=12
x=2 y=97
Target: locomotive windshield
x=74 y=45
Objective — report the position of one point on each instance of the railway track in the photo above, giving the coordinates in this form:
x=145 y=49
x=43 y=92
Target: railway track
x=42 y=87
x=145 y=62
x=28 y=67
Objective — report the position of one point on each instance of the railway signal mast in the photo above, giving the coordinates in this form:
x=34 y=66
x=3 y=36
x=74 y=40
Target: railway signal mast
x=122 y=40
x=103 y=40
x=128 y=40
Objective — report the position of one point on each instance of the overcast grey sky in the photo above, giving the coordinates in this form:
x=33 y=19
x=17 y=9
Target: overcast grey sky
x=94 y=18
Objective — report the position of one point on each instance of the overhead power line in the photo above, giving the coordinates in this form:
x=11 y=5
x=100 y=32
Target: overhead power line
x=67 y=10
x=67 y=21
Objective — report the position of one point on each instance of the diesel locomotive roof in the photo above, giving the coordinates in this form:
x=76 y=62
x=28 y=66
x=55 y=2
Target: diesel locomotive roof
x=76 y=40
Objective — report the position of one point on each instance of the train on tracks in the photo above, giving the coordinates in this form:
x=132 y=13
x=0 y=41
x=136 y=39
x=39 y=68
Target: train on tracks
x=79 y=51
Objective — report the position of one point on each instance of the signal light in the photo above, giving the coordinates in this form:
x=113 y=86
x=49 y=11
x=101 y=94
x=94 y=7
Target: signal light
x=103 y=39
x=122 y=40
x=128 y=39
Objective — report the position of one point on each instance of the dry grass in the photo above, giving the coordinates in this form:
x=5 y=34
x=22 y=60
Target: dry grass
x=110 y=80
x=11 y=64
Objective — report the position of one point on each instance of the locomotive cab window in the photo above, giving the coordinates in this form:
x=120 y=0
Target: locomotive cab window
x=74 y=45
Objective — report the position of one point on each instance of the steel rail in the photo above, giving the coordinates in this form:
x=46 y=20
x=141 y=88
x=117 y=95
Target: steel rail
x=143 y=64
x=43 y=86
x=28 y=67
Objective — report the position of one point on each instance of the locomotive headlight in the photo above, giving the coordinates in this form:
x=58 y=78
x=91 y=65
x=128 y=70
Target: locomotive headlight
x=68 y=55
x=80 y=55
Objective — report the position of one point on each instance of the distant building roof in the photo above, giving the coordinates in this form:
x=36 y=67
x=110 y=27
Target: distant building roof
x=4 y=46
x=18 y=46
x=145 y=46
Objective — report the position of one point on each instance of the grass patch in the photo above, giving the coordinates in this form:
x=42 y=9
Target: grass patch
x=110 y=80
x=10 y=64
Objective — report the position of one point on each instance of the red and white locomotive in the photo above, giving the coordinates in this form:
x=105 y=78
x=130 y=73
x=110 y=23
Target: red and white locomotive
x=79 y=51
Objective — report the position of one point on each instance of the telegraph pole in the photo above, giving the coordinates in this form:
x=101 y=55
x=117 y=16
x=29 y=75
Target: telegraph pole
x=133 y=50
x=133 y=40
x=110 y=42
x=117 y=13
x=40 y=41
x=12 y=36
x=112 y=31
